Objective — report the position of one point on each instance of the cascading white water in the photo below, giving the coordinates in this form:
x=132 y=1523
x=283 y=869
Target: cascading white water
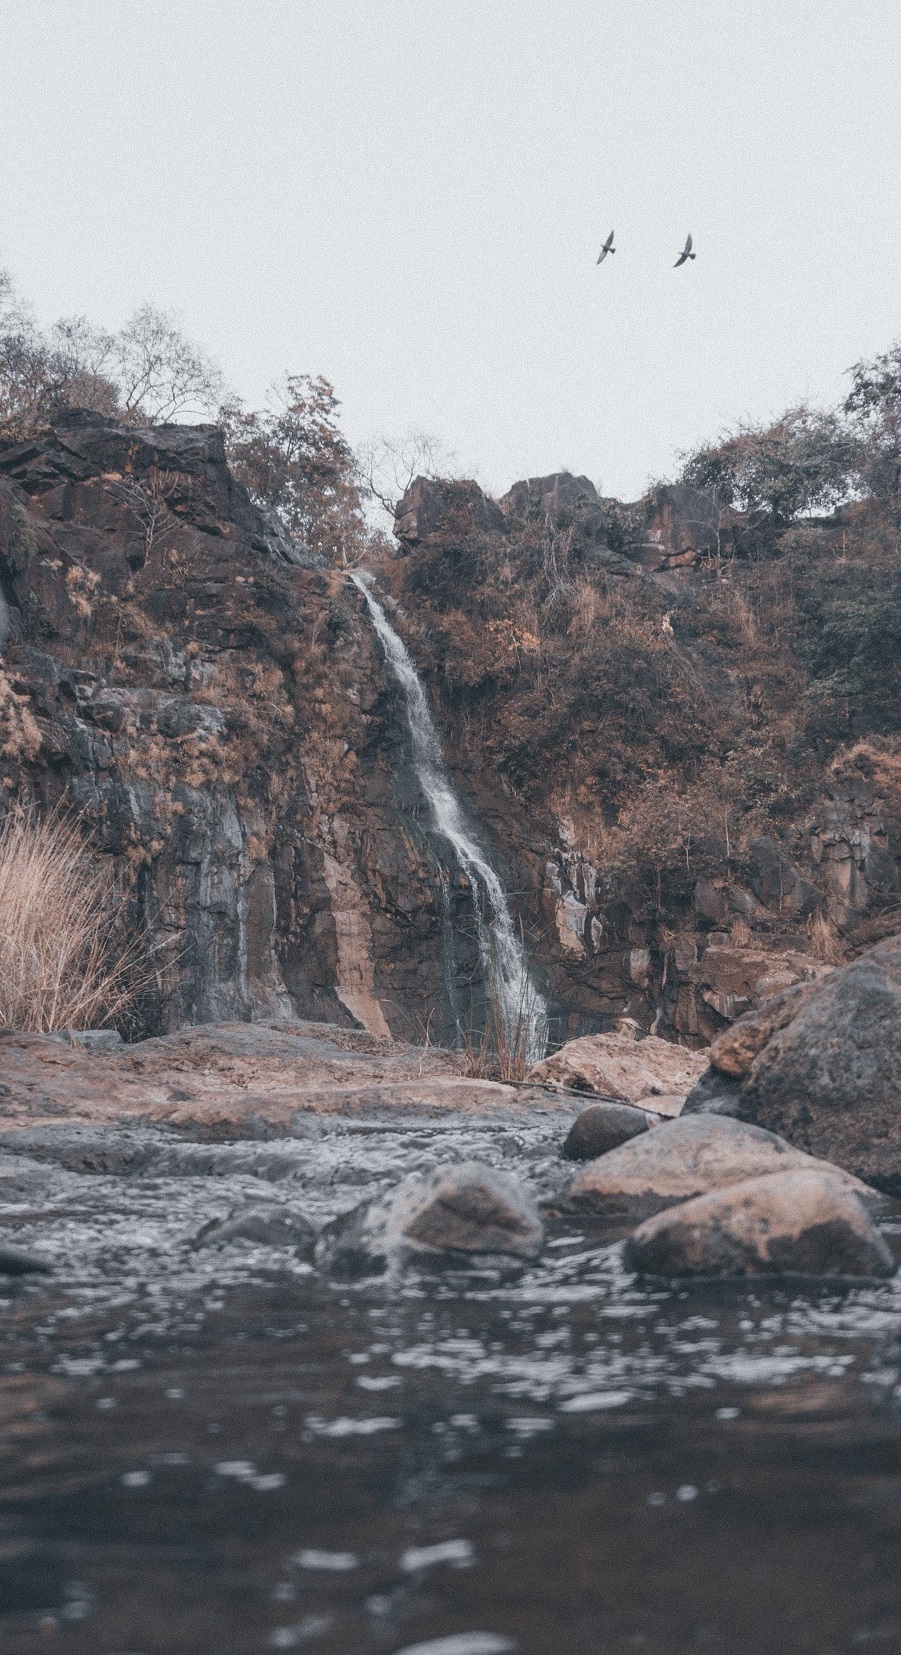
x=508 y=984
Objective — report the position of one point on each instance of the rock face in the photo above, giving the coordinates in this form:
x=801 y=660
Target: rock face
x=805 y=1222
x=620 y=1066
x=215 y=705
x=602 y=1127
x=683 y=1159
x=456 y=1214
x=830 y=1079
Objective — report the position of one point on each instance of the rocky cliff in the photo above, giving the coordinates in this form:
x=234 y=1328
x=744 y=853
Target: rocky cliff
x=217 y=708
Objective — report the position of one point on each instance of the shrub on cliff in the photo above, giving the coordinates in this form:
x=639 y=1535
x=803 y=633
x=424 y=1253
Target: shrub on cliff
x=293 y=458
x=60 y=966
x=764 y=477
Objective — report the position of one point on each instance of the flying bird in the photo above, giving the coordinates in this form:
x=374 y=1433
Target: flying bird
x=686 y=253
x=608 y=247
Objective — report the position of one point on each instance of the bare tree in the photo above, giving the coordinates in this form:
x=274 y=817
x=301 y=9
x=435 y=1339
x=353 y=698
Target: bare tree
x=159 y=372
x=147 y=372
x=388 y=465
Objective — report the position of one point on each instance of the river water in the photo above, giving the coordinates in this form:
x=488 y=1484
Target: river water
x=215 y=1451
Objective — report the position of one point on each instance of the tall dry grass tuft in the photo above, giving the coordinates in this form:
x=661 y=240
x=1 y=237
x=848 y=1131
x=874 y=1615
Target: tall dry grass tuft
x=59 y=964
x=503 y=1048
x=825 y=938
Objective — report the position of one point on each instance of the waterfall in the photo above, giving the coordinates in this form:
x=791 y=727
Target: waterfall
x=517 y=1004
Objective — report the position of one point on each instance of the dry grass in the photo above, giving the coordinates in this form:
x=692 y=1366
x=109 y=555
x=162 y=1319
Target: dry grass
x=59 y=964
x=825 y=941
x=740 y=934
x=503 y=1049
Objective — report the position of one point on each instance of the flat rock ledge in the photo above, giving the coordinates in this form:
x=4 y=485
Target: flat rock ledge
x=245 y=1080
x=455 y=1215
x=800 y=1222
x=686 y=1158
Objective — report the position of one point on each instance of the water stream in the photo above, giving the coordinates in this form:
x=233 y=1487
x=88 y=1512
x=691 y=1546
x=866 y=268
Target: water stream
x=520 y=1010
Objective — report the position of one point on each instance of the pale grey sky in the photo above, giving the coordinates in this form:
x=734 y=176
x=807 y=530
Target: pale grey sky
x=409 y=196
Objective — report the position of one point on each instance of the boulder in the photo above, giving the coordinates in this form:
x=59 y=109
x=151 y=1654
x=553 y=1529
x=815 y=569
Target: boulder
x=733 y=1051
x=267 y=1226
x=621 y=1067
x=453 y=1216
x=602 y=1127
x=830 y=1079
x=431 y=507
x=684 y=1158
x=801 y=1222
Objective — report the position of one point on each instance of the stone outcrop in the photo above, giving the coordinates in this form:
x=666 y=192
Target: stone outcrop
x=799 y=1222
x=682 y=1159
x=456 y=1214
x=733 y=1052
x=430 y=507
x=651 y=1071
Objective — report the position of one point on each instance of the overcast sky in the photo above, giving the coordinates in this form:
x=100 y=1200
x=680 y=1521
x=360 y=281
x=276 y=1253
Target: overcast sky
x=408 y=196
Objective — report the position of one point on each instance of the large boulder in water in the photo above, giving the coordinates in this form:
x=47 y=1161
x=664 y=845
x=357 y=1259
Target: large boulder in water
x=653 y=1072
x=455 y=1215
x=684 y=1158
x=800 y=1222
x=828 y=1076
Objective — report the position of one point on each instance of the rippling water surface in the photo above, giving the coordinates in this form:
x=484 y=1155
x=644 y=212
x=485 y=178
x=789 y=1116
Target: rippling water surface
x=212 y=1451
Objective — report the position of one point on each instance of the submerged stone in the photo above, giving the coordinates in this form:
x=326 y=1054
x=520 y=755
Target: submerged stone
x=456 y=1214
x=799 y=1222
x=267 y=1226
x=15 y=1262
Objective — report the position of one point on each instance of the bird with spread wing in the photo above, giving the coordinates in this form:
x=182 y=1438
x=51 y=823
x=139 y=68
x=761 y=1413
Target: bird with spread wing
x=608 y=247
x=686 y=253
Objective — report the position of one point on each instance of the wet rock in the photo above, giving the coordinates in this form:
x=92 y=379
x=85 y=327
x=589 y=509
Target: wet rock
x=15 y=1262
x=681 y=1159
x=830 y=1080
x=602 y=1127
x=621 y=1067
x=266 y=1226
x=454 y=1215
x=800 y=1222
